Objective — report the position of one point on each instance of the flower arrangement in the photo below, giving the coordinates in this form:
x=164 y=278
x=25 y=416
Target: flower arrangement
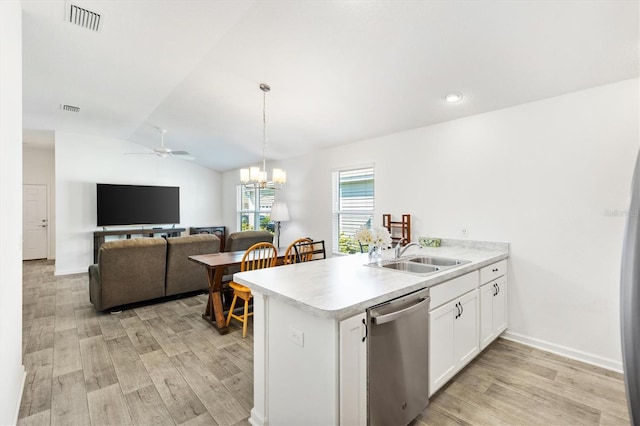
x=375 y=238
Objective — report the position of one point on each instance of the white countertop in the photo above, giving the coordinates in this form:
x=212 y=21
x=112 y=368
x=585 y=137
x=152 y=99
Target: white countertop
x=342 y=286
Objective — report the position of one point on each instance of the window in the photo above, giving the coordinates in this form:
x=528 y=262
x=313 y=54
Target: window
x=352 y=206
x=254 y=208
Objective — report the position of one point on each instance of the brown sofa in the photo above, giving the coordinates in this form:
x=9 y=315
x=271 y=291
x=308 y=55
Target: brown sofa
x=183 y=275
x=141 y=269
x=242 y=240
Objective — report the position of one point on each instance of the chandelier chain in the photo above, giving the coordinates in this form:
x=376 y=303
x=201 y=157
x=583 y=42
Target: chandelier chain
x=254 y=177
x=264 y=128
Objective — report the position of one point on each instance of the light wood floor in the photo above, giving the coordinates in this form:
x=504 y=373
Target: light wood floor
x=163 y=364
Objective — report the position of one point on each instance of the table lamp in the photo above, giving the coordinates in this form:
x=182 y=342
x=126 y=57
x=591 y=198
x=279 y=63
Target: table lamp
x=279 y=213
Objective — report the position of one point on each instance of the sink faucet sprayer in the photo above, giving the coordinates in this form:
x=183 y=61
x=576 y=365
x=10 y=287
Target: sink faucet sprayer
x=400 y=250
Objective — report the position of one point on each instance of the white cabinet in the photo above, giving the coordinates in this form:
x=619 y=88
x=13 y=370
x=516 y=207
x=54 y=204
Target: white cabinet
x=353 y=371
x=493 y=302
x=453 y=337
x=493 y=310
x=493 y=271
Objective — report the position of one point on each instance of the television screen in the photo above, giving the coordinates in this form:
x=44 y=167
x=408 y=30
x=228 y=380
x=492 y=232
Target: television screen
x=137 y=204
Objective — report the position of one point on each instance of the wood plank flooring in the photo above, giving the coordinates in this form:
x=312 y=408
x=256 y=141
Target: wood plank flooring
x=163 y=364
x=158 y=364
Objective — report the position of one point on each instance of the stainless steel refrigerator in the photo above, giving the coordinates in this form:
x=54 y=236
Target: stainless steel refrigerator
x=630 y=300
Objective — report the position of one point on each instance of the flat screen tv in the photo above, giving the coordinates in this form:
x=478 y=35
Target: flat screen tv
x=137 y=204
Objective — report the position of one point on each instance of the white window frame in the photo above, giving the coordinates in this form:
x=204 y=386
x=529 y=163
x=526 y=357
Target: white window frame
x=339 y=209
x=254 y=209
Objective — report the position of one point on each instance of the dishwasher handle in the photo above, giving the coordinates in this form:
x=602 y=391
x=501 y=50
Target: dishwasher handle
x=382 y=319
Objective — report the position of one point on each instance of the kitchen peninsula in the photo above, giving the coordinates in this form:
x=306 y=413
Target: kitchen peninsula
x=310 y=355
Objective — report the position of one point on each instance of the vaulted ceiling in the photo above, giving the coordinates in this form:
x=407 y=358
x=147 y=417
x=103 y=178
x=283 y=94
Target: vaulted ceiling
x=340 y=71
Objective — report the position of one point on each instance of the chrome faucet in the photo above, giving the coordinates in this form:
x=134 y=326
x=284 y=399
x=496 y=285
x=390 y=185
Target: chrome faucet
x=400 y=250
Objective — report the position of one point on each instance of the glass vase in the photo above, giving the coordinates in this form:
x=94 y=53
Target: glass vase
x=375 y=252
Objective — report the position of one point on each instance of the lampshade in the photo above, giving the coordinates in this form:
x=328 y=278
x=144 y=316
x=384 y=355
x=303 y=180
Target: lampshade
x=279 y=212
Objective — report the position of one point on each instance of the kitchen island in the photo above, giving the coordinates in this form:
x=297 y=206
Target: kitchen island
x=309 y=333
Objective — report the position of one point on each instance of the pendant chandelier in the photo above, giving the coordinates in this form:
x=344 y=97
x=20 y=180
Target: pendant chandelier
x=254 y=177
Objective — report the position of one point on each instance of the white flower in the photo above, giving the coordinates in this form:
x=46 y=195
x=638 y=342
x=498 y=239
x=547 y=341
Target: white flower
x=381 y=236
x=378 y=236
x=364 y=236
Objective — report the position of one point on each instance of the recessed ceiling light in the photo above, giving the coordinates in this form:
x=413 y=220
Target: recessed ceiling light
x=453 y=96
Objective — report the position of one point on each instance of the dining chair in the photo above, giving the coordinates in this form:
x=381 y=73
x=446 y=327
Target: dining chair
x=311 y=250
x=258 y=256
x=290 y=255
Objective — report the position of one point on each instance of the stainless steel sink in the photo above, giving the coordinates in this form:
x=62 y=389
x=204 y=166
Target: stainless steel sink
x=437 y=261
x=416 y=268
x=419 y=265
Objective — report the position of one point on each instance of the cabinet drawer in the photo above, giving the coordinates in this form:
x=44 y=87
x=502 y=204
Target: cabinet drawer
x=449 y=290
x=493 y=271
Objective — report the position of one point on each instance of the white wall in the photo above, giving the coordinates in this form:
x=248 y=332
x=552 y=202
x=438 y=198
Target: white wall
x=543 y=176
x=12 y=372
x=84 y=160
x=38 y=167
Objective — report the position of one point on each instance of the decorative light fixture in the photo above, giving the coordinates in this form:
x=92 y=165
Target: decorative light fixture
x=453 y=96
x=279 y=213
x=253 y=177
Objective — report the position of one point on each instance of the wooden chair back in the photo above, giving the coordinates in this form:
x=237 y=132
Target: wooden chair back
x=311 y=250
x=290 y=256
x=258 y=256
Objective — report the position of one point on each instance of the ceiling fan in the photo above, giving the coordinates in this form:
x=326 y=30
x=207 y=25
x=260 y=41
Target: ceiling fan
x=163 y=151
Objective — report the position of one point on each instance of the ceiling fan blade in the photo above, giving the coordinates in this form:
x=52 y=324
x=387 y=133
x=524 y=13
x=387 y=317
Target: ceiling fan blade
x=185 y=157
x=179 y=153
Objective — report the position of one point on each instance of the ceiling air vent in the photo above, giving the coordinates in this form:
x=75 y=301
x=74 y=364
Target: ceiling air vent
x=84 y=18
x=70 y=108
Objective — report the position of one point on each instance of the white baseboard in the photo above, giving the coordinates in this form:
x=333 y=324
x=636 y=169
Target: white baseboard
x=71 y=272
x=588 y=358
x=17 y=411
x=256 y=419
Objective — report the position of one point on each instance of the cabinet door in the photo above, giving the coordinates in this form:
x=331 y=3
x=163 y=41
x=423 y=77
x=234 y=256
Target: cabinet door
x=500 y=307
x=493 y=311
x=487 y=330
x=442 y=354
x=353 y=371
x=466 y=332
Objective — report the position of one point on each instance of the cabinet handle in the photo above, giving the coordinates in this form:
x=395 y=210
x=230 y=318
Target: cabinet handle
x=495 y=270
x=495 y=291
x=458 y=309
x=366 y=330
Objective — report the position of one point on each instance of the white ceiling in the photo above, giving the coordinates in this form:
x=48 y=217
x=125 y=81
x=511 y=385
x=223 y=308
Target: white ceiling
x=340 y=71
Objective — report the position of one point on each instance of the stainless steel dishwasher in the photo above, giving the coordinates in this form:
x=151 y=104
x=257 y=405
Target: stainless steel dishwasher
x=398 y=354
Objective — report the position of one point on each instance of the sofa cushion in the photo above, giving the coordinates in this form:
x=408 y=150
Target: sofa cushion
x=183 y=275
x=128 y=271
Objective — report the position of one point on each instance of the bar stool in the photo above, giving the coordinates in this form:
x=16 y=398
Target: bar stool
x=258 y=256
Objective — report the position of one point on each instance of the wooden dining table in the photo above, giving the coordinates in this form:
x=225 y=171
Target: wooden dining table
x=216 y=265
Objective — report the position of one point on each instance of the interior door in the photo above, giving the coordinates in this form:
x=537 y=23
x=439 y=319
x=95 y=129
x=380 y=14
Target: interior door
x=35 y=222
